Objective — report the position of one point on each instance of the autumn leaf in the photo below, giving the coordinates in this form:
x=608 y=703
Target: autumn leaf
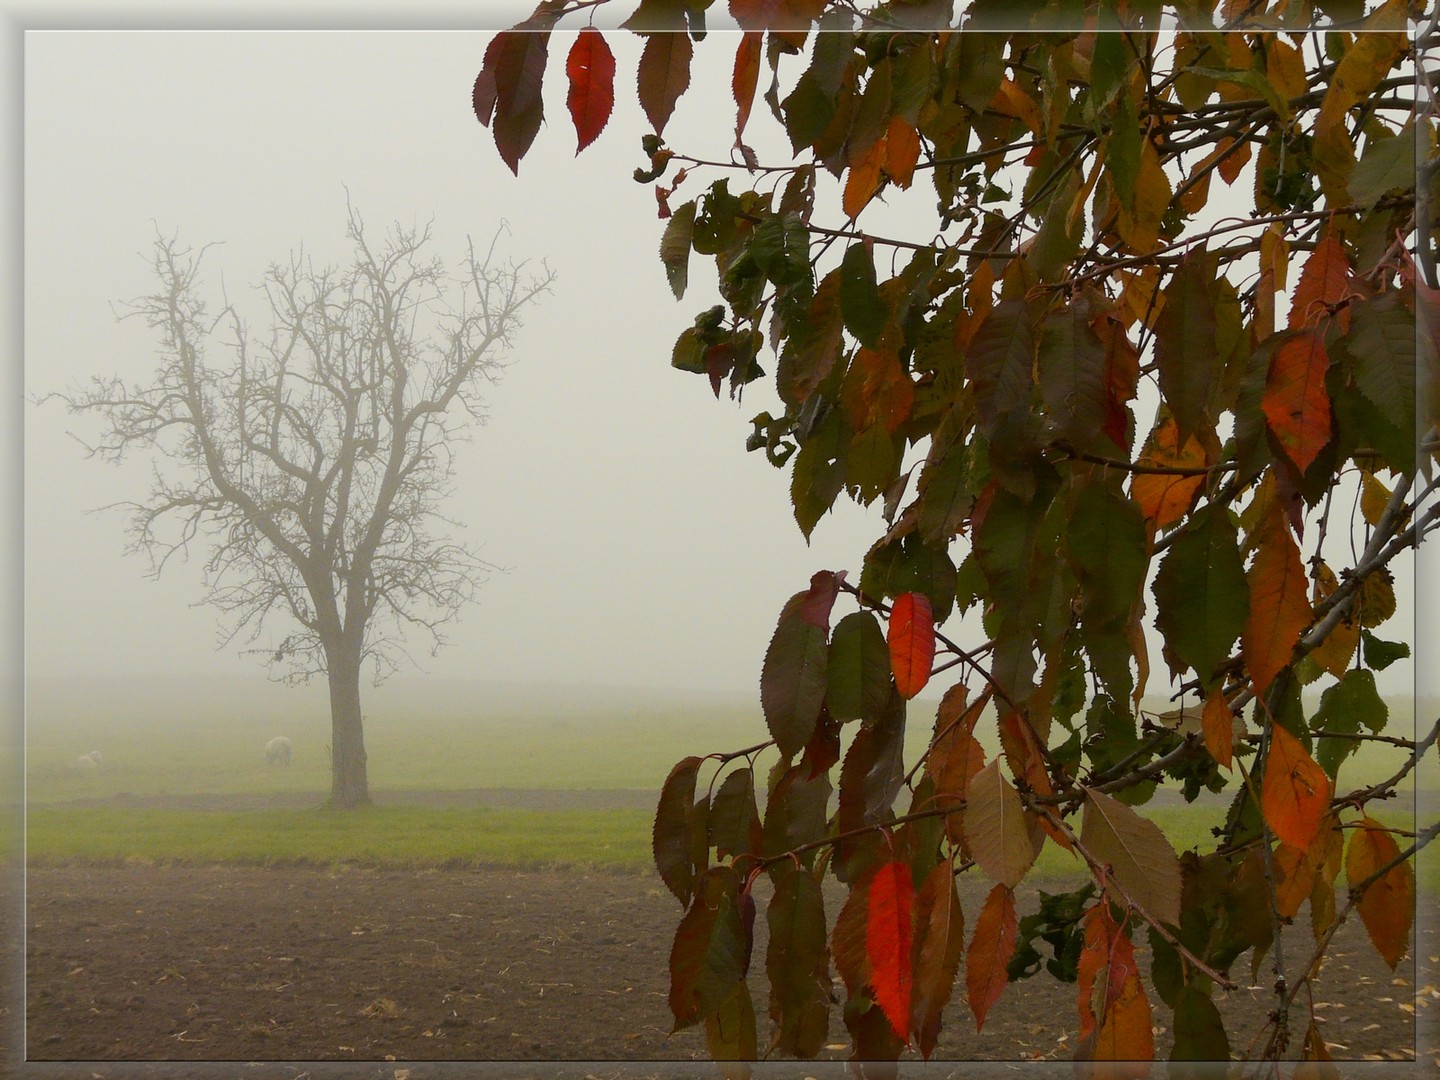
x=1279 y=610
x=1323 y=286
x=1165 y=498
x=710 y=951
x=747 y=74
x=902 y=151
x=889 y=933
x=1217 y=723
x=1202 y=598
x=991 y=946
x=1139 y=856
x=955 y=756
x=863 y=179
x=1187 y=341
x=858 y=670
x=793 y=677
x=591 y=70
x=995 y=827
x=1295 y=793
x=1115 y=1021
x=797 y=962
x=515 y=67
x=911 y=638
x=670 y=834
x=939 y=945
x=664 y=75
x=1295 y=402
x=1387 y=906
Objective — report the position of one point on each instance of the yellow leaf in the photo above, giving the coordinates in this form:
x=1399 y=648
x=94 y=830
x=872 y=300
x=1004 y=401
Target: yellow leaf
x=1139 y=223
x=1377 y=599
x=1374 y=497
x=1379 y=44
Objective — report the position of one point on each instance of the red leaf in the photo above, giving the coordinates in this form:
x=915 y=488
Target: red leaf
x=990 y=950
x=671 y=832
x=889 y=932
x=1324 y=284
x=591 y=68
x=1296 y=404
x=912 y=642
x=515 y=60
x=745 y=79
x=1165 y=498
x=1295 y=794
x=663 y=76
x=1279 y=609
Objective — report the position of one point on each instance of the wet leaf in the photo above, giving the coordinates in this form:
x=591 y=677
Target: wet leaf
x=1295 y=402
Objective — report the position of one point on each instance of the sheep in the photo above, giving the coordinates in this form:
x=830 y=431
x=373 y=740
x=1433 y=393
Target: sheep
x=90 y=762
x=278 y=750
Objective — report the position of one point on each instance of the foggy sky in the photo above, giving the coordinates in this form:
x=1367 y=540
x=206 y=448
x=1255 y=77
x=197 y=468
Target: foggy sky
x=643 y=545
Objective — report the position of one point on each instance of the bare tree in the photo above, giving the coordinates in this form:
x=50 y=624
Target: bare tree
x=312 y=465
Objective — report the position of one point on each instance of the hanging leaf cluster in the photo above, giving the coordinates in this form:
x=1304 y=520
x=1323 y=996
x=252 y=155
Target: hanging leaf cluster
x=1167 y=331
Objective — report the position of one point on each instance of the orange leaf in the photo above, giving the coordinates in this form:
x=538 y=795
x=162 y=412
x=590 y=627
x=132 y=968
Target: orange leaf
x=911 y=638
x=939 y=943
x=591 y=70
x=1296 y=404
x=889 y=933
x=1114 y=1015
x=902 y=151
x=746 y=77
x=1232 y=164
x=1324 y=283
x=864 y=179
x=1165 y=498
x=1279 y=610
x=1218 y=724
x=1388 y=904
x=1295 y=794
x=955 y=757
x=990 y=950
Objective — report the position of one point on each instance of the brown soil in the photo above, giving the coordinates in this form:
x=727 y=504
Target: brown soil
x=143 y=963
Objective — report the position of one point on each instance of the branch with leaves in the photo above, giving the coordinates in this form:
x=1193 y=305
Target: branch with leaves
x=1094 y=412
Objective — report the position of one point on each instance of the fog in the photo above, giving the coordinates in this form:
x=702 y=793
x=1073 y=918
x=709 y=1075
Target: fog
x=641 y=546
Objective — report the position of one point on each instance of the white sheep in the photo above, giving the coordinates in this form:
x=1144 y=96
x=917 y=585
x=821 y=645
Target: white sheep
x=277 y=750
x=87 y=762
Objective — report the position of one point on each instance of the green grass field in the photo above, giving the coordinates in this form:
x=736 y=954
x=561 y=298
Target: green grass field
x=213 y=744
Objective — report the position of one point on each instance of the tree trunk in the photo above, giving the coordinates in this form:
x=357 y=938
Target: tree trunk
x=349 y=785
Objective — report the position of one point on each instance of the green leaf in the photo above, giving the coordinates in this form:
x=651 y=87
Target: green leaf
x=819 y=471
x=1388 y=165
x=797 y=962
x=1379 y=654
x=812 y=345
x=808 y=112
x=710 y=950
x=730 y=1031
x=1000 y=362
x=1140 y=858
x=861 y=304
x=1351 y=703
x=1107 y=546
x=1199 y=1030
x=793 y=677
x=675 y=247
x=858 y=670
x=734 y=820
x=1187 y=351
x=1201 y=595
x=1381 y=349
x=796 y=812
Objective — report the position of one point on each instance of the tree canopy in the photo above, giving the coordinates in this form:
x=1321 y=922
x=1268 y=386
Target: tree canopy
x=1158 y=364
